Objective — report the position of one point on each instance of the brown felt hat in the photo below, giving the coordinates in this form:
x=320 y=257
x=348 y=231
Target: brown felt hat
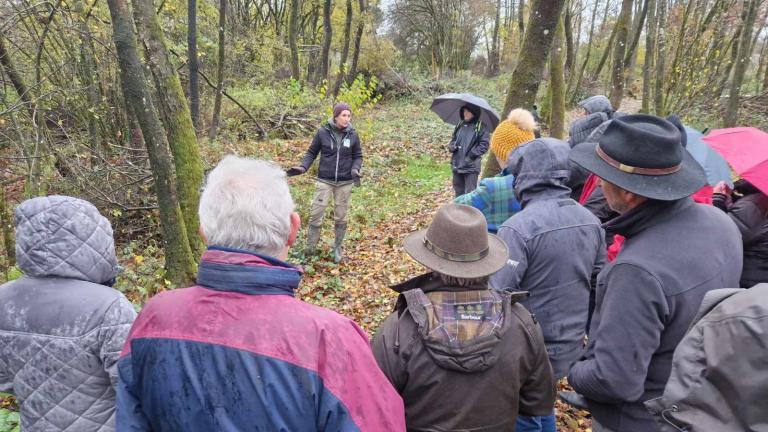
x=457 y=243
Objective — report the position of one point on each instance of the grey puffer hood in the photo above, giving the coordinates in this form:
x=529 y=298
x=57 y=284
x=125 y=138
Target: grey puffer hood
x=597 y=103
x=541 y=169
x=66 y=237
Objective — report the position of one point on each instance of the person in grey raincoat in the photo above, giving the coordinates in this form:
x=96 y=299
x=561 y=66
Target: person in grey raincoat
x=675 y=252
x=719 y=381
x=468 y=144
x=552 y=231
x=61 y=325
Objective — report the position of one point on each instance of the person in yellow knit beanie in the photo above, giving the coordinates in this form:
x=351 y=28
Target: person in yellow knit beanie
x=509 y=134
x=495 y=196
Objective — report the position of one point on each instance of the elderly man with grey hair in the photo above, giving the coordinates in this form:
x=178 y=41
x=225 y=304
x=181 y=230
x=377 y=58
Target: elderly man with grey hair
x=237 y=351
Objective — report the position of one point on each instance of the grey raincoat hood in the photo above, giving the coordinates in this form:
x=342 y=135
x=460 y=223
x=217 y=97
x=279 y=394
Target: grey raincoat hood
x=552 y=231
x=64 y=237
x=541 y=169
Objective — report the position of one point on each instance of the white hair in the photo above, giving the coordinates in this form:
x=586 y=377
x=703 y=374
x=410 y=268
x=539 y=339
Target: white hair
x=246 y=204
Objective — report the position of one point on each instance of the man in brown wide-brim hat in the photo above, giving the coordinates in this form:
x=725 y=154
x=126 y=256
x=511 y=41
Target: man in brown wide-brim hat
x=675 y=252
x=463 y=357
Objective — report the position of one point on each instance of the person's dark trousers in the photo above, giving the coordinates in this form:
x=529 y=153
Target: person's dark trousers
x=464 y=183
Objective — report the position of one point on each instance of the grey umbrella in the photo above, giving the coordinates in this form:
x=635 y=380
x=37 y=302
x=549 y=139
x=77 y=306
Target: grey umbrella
x=447 y=106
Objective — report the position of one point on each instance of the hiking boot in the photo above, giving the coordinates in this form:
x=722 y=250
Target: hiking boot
x=338 y=251
x=313 y=236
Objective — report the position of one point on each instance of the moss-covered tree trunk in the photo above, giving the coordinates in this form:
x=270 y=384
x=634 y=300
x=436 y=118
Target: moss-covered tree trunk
x=179 y=262
x=557 y=84
x=526 y=78
x=742 y=62
x=177 y=120
x=619 y=50
x=527 y=75
x=293 y=24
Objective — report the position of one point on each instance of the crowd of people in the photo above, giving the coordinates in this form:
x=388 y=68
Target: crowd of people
x=521 y=288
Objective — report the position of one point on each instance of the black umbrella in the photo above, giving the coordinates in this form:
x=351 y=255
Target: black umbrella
x=447 y=106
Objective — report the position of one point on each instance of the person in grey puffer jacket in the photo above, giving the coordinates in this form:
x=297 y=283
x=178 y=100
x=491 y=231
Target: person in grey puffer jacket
x=61 y=325
x=552 y=231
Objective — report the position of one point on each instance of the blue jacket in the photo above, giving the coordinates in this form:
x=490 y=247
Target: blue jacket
x=238 y=352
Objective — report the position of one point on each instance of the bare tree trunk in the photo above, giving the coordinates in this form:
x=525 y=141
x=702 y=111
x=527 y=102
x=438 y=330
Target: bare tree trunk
x=88 y=77
x=322 y=71
x=622 y=33
x=18 y=83
x=527 y=75
x=765 y=77
x=6 y=230
x=293 y=24
x=658 y=91
x=607 y=51
x=493 y=56
x=636 y=35
x=742 y=62
x=344 y=50
x=574 y=84
x=570 y=52
x=194 y=63
x=176 y=119
x=358 y=42
x=557 y=84
x=219 y=72
x=179 y=263
x=521 y=21
x=650 y=44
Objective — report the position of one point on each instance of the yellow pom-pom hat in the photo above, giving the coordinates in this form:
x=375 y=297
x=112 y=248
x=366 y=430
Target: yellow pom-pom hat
x=509 y=134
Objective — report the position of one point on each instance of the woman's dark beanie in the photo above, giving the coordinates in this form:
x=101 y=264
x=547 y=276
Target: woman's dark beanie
x=339 y=107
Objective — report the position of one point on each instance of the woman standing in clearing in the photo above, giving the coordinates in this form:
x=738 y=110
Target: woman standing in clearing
x=341 y=159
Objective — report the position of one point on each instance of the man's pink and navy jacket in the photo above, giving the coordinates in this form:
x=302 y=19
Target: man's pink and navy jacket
x=238 y=352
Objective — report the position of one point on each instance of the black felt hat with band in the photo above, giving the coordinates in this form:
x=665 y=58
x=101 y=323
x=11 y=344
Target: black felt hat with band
x=643 y=154
x=457 y=243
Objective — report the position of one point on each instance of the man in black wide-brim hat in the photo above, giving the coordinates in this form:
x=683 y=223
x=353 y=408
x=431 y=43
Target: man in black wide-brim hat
x=675 y=251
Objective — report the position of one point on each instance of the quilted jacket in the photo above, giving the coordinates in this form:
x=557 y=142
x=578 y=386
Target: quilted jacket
x=61 y=328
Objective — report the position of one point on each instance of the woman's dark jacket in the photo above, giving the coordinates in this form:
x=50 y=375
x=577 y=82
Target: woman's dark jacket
x=340 y=153
x=469 y=143
x=750 y=213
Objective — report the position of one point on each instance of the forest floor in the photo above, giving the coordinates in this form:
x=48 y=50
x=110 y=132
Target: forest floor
x=406 y=178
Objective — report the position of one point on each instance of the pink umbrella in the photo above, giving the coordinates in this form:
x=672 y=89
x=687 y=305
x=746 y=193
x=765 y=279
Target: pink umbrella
x=746 y=150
